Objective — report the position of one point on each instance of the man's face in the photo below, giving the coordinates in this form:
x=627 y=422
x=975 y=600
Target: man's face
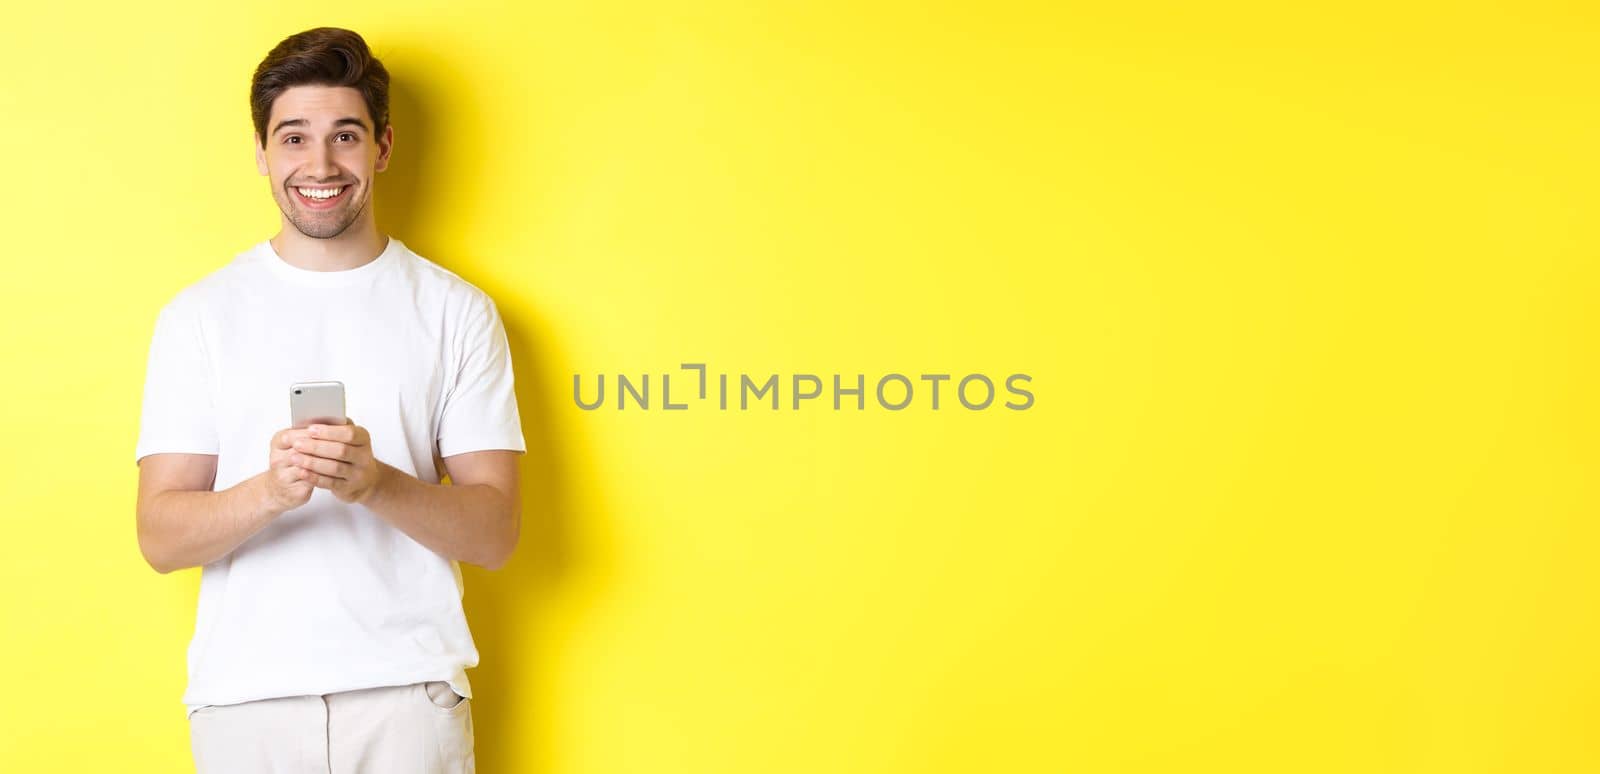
x=321 y=157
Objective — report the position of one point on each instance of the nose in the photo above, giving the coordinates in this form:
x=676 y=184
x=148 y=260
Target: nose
x=320 y=166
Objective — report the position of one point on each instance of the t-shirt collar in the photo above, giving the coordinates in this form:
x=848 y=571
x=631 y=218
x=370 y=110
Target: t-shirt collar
x=328 y=278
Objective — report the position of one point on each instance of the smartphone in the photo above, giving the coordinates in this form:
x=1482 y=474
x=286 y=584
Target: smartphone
x=319 y=403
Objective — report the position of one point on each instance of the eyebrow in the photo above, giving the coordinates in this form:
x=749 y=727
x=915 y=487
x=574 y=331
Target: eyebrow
x=346 y=121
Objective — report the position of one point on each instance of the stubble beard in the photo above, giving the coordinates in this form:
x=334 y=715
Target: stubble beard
x=321 y=225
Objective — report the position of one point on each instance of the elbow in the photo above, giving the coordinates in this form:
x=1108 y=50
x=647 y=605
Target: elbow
x=502 y=556
x=496 y=560
x=153 y=557
x=507 y=544
x=150 y=548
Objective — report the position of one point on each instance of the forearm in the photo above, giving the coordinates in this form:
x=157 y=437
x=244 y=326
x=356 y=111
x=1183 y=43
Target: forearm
x=180 y=529
x=475 y=523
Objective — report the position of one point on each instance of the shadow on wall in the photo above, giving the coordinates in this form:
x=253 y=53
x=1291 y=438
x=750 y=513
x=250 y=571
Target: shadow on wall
x=513 y=711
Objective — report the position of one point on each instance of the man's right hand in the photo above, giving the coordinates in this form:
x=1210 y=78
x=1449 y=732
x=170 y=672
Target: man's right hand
x=288 y=485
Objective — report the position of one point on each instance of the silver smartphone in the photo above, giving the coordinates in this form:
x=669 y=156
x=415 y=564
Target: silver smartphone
x=320 y=403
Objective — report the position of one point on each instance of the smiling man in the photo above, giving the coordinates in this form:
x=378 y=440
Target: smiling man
x=330 y=635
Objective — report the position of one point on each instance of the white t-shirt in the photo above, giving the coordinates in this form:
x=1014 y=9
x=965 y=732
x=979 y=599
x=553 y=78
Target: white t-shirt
x=329 y=596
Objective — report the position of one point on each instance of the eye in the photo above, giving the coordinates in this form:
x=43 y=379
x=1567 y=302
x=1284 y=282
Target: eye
x=291 y=139
x=351 y=135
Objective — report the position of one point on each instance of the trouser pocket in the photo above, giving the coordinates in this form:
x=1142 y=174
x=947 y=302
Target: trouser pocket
x=450 y=717
x=442 y=695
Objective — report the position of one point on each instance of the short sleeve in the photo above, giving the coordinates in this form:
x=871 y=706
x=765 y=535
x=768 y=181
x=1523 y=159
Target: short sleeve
x=480 y=407
x=177 y=413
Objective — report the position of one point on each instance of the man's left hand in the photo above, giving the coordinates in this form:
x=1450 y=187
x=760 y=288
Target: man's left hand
x=339 y=458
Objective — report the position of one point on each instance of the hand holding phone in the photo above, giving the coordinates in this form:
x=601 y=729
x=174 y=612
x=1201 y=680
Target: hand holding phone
x=288 y=483
x=338 y=458
x=287 y=486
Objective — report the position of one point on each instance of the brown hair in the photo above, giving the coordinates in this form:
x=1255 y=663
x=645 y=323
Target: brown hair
x=324 y=56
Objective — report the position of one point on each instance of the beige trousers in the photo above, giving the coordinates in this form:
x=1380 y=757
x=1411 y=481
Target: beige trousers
x=421 y=728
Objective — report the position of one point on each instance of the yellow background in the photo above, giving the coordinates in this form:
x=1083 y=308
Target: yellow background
x=1306 y=294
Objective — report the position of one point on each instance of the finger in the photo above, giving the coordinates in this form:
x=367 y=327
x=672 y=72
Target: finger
x=332 y=468
x=352 y=434
x=284 y=439
x=325 y=482
x=331 y=450
x=340 y=433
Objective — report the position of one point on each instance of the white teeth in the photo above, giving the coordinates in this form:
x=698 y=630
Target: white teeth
x=320 y=193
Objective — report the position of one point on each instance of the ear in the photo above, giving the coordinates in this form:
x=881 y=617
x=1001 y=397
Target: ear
x=261 y=154
x=385 y=147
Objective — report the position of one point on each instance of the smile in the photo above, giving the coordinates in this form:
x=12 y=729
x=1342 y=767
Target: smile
x=320 y=198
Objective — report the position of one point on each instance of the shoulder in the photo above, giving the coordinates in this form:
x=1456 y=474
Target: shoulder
x=215 y=290
x=461 y=300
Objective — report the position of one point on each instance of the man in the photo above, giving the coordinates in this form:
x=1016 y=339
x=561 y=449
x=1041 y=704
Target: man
x=330 y=635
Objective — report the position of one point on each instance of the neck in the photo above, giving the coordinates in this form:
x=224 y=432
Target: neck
x=359 y=245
